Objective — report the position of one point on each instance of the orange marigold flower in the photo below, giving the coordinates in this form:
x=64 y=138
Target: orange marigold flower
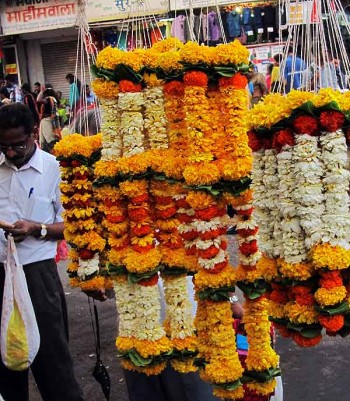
x=142 y=249
x=249 y=248
x=174 y=88
x=238 y=81
x=138 y=200
x=305 y=299
x=167 y=213
x=331 y=279
x=281 y=297
x=306 y=125
x=196 y=78
x=300 y=290
x=149 y=282
x=304 y=341
x=219 y=267
x=282 y=138
x=141 y=230
x=208 y=213
x=129 y=86
x=138 y=213
x=189 y=235
x=209 y=253
x=332 y=323
x=244 y=233
x=331 y=120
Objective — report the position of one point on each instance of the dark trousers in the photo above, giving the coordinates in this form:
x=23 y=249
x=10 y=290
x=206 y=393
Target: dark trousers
x=53 y=366
x=168 y=386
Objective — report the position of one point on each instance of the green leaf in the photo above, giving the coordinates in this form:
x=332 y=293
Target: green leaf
x=216 y=294
x=331 y=106
x=114 y=269
x=261 y=377
x=229 y=386
x=123 y=71
x=306 y=330
x=334 y=310
x=134 y=278
x=253 y=290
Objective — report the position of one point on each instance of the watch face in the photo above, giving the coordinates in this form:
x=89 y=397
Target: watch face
x=43 y=231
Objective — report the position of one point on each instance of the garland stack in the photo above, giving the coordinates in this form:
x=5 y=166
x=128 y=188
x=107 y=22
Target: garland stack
x=309 y=270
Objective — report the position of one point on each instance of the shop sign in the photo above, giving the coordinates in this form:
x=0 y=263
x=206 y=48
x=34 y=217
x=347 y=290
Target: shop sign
x=186 y=4
x=11 y=69
x=262 y=56
x=305 y=12
x=107 y=10
x=21 y=16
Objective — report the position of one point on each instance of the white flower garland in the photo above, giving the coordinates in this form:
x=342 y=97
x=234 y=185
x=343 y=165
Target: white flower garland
x=293 y=244
x=111 y=137
x=88 y=267
x=127 y=312
x=155 y=120
x=336 y=217
x=132 y=123
x=308 y=192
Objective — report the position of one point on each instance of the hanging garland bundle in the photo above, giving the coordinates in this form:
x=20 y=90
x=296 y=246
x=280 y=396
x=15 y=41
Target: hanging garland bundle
x=306 y=133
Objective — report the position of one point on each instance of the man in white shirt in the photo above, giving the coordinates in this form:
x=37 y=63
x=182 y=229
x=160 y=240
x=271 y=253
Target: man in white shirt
x=30 y=202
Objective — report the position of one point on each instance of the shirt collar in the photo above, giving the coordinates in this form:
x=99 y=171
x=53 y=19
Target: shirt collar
x=36 y=162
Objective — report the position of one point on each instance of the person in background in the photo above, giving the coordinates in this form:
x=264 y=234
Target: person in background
x=4 y=96
x=63 y=106
x=74 y=93
x=36 y=89
x=36 y=225
x=341 y=78
x=293 y=71
x=90 y=97
x=268 y=76
x=13 y=89
x=321 y=74
x=50 y=131
x=276 y=85
x=257 y=87
x=87 y=122
x=29 y=101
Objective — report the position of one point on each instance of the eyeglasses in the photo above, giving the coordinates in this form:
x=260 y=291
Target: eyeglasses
x=16 y=148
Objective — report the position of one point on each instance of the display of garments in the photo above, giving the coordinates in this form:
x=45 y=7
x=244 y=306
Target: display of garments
x=233 y=23
x=270 y=23
x=214 y=27
x=178 y=28
x=258 y=18
x=204 y=24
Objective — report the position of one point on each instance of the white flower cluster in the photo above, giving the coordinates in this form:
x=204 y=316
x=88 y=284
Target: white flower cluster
x=155 y=120
x=131 y=123
x=88 y=267
x=293 y=244
x=178 y=307
x=111 y=138
x=308 y=192
x=336 y=217
x=139 y=311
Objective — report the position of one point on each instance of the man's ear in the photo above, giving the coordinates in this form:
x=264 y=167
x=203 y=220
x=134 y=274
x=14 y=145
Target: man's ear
x=36 y=133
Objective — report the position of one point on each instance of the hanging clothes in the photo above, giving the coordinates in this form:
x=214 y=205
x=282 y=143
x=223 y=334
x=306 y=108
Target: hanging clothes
x=204 y=24
x=214 y=30
x=178 y=28
x=233 y=24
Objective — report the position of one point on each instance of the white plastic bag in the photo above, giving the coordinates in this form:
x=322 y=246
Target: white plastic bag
x=19 y=337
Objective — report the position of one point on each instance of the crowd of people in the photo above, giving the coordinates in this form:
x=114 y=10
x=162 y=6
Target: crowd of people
x=50 y=111
x=296 y=74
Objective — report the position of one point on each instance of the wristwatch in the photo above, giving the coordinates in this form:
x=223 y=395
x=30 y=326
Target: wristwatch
x=43 y=231
x=233 y=299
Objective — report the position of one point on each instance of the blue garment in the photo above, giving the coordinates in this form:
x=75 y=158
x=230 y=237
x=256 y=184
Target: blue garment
x=242 y=342
x=293 y=71
x=247 y=20
x=74 y=94
x=258 y=18
x=233 y=24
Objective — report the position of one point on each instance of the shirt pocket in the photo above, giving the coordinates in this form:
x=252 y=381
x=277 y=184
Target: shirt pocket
x=40 y=209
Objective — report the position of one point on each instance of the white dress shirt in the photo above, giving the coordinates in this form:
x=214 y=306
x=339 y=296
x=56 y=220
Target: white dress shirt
x=30 y=193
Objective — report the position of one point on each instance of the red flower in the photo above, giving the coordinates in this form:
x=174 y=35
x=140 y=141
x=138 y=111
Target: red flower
x=182 y=203
x=209 y=253
x=249 y=248
x=305 y=300
x=174 y=88
x=238 y=81
x=76 y=163
x=332 y=323
x=255 y=142
x=138 y=214
x=111 y=203
x=219 y=267
x=65 y=163
x=267 y=142
x=280 y=297
x=142 y=249
x=115 y=219
x=141 y=231
x=189 y=235
x=245 y=212
x=244 y=233
x=331 y=120
x=306 y=125
x=282 y=138
x=148 y=282
x=184 y=218
x=163 y=200
x=208 y=213
x=129 y=86
x=191 y=251
x=196 y=78
x=223 y=245
x=138 y=200
x=86 y=254
x=165 y=214
x=304 y=341
x=285 y=333
x=331 y=279
x=211 y=234
x=300 y=290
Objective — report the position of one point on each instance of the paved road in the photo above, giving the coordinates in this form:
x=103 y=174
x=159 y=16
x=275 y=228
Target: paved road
x=319 y=374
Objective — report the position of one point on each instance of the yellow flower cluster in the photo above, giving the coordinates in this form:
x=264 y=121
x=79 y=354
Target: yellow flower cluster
x=297 y=271
x=105 y=89
x=76 y=144
x=301 y=313
x=331 y=257
x=330 y=297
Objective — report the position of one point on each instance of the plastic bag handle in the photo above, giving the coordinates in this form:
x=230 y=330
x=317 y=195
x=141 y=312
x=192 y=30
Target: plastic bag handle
x=12 y=248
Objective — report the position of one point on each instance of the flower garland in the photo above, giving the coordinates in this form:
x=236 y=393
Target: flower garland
x=77 y=156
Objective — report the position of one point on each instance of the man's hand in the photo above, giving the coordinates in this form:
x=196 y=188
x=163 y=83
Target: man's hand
x=98 y=295
x=22 y=229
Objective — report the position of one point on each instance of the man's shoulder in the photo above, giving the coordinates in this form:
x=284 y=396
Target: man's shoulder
x=48 y=159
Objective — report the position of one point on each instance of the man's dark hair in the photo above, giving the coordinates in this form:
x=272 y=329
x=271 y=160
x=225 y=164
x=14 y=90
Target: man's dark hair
x=14 y=116
x=26 y=87
x=5 y=92
x=278 y=57
x=37 y=84
x=48 y=86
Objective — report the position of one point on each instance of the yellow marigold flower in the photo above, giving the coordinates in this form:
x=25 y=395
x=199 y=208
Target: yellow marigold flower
x=231 y=53
x=166 y=45
x=105 y=89
x=184 y=366
x=193 y=53
x=187 y=343
x=143 y=241
x=149 y=371
x=136 y=262
x=135 y=188
x=276 y=310
x=200 y=200
x=267 y=268
x=109 y=58
x=73 y=267
x=301 y=313
x=108 y=192
x=263 y=388
x=117 y=257
x=152 y=80
x=345 y=101
x=133 y=60
x=296 y=98
x=327 y=95
x=297 y=271
x=223 y=370
x=201 y=174
x=170 y=61
x=147 y=348
x=245 y=275
x=94 y=284
x=235 y=394
x=331 y=257
x=330 y=297
x=225 y=278
x=242 y=199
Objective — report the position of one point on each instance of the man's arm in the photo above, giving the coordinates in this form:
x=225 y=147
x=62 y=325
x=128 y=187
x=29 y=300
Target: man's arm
x=23 y=229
